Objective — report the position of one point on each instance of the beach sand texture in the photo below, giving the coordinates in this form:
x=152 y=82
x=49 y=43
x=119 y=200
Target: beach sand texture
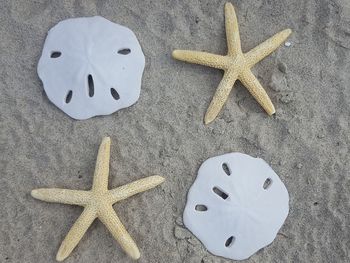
x=306 y=142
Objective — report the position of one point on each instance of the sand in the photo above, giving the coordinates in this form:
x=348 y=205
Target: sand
x=306 y=142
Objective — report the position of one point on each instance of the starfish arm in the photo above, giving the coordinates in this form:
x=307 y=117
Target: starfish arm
x=201 y=58
x=102 y=166
x=63 y=196
x=125 y=191
x=266 y=48
x=220 y=96
x=76 y=233
x=111 y=220
x=254 y=87
x=232 y=30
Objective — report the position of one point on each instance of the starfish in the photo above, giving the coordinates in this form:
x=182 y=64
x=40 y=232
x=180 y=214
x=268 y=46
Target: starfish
x=98 y=203
x=236 y=65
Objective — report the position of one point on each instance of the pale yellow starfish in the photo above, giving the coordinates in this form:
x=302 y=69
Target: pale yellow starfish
x=98 y=203
x=236 y=65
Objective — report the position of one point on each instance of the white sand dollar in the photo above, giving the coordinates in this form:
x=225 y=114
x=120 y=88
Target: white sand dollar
x=236 y=205
x=91 y=66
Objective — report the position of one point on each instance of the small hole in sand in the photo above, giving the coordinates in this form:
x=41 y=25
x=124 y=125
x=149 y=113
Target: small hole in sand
x=55 y=54
x=201 y=208
x=267 y=183
x=226 y=169
x=69 y=96
x=229 y=242
x=220 y=193
x=124 y=51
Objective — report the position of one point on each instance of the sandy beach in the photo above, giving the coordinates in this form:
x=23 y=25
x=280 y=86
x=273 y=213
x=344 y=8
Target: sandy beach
x=307 y=141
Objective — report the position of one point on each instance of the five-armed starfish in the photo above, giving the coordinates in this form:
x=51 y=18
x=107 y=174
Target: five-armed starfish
x=236 y=65
x=98 y=203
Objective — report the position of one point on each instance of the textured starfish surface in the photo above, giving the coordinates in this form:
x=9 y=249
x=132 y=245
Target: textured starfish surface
x=236 y=65
x=97 y=203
